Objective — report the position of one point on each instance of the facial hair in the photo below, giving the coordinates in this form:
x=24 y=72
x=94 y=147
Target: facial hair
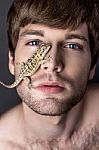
x=52 y=105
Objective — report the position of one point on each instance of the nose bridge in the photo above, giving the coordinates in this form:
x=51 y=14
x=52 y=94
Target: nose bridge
x=53 y=60
x=53 y=54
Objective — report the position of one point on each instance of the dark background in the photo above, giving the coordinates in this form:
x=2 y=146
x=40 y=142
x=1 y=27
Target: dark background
x=9 y=97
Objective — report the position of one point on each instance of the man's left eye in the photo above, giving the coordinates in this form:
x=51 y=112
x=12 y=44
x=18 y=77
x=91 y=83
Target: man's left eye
x=73 y=46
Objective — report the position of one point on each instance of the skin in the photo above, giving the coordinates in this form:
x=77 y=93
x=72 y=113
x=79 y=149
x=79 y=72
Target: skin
x=59 y=68
x=49 y=119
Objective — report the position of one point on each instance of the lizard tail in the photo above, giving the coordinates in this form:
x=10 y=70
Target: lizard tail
x=12 y=85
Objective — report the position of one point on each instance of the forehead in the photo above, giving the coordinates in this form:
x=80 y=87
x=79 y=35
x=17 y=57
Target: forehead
x=43 y=31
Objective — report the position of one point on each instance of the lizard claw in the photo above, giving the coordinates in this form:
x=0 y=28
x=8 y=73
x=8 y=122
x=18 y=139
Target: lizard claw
x=28 y=81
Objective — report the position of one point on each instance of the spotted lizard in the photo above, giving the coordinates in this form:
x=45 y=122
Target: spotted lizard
x=31 y=65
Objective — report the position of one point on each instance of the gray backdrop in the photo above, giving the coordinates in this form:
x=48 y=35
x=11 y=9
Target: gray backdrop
x=9 y=97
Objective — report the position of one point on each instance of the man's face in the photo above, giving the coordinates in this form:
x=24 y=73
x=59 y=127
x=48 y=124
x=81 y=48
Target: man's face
x=61 y=80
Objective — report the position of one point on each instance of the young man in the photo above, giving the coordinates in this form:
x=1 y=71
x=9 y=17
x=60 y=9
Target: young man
x=60 y=110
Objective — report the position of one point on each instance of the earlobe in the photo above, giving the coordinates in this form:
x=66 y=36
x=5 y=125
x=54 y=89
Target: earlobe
x=92 y=72
x=11 y=63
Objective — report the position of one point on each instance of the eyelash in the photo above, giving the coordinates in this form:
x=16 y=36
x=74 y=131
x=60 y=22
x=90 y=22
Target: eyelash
x=75 y=46
x=35 y=42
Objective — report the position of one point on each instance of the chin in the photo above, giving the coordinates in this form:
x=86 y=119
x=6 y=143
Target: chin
x=50 y=107
x=53 y=104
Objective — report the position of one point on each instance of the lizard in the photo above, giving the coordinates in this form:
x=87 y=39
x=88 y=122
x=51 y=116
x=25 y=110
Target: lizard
x=31 y=65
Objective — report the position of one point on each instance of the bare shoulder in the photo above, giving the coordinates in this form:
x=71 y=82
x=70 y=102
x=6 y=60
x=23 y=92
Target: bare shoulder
x=8 y=145
x=10 y=130
x=10 y=118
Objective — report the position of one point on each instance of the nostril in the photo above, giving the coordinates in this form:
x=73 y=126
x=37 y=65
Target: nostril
x=56 y=68
x=45 y=68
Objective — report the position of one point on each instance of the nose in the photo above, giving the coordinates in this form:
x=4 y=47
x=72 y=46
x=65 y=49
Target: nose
x=52 y=63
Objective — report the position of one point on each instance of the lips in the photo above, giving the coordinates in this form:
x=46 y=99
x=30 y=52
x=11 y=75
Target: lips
x=50 y=87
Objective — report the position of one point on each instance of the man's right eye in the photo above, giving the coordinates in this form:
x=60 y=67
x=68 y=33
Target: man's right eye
x=33 y=43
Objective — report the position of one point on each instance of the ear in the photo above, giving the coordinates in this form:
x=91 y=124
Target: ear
x=11 y=63
x=92 y=72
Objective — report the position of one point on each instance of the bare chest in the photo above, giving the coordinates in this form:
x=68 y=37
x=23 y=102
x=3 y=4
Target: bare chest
x=60 y=146
x=85 y=139
x=45 y=145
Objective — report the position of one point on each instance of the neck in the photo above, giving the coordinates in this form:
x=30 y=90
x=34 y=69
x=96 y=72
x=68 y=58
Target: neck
x=49 y=127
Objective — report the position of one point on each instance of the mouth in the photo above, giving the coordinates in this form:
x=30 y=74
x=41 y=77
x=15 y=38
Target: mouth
x=51 y=87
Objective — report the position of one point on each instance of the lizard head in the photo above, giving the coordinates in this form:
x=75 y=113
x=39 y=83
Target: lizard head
x=43 y=50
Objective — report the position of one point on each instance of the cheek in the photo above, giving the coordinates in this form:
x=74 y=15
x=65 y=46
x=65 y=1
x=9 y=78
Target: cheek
x=77 y=67
x=21 y=56
x=23 y=52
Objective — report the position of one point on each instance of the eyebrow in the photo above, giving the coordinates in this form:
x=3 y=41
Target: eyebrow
x=76 y=36
x=41 y=33
x=32 y=32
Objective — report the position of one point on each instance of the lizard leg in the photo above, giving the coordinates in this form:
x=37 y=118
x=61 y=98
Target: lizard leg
x=28 y=81
x=30 y=84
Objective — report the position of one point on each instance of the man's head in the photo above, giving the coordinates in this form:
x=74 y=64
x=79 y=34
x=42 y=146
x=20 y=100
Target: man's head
x=58 y=14
x=71 y=27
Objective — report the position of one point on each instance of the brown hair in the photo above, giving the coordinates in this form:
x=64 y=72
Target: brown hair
x=55 y=13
